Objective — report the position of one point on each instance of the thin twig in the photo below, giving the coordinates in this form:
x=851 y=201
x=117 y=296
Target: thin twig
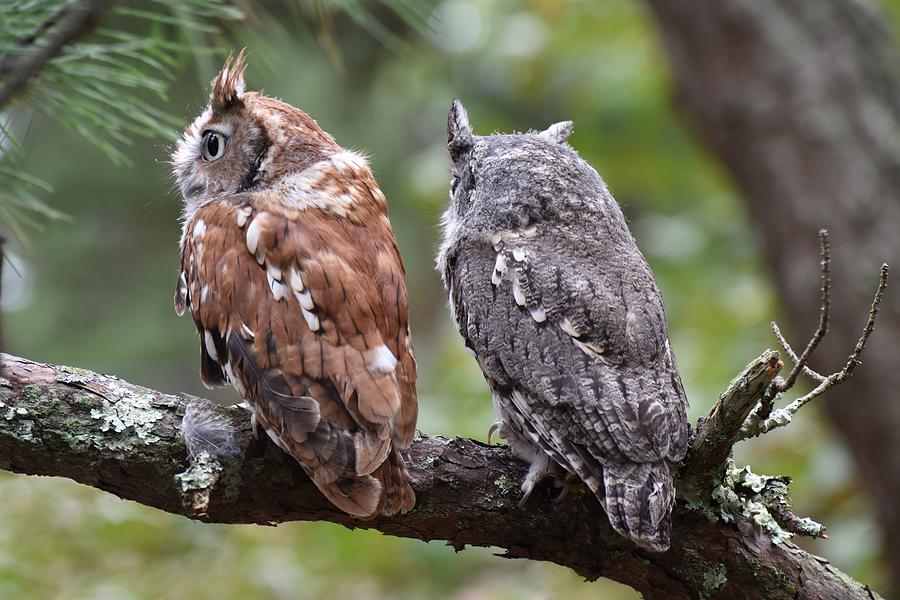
x=758 y=425
x=80 y=18
x=779 y=386
x=815 y=375
x=824 y=312
x=853 y=361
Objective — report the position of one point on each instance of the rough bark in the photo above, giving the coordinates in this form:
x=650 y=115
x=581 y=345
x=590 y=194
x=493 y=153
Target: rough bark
x=801 y=101
x=118 y=437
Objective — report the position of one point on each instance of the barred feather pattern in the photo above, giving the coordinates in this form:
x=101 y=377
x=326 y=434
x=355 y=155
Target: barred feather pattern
x=291 y=273
x=563 y=314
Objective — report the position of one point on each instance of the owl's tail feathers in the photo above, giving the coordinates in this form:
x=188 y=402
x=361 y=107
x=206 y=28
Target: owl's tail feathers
x=386 y=491
x=398 y=493
x=357 y=496
x=639 y=501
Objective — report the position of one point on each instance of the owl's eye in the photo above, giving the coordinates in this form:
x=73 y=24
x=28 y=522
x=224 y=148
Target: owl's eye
x=213 y=145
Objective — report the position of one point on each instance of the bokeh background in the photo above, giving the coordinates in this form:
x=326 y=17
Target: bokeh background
x=96 y=291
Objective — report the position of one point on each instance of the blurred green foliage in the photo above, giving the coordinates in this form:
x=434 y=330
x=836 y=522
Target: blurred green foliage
x=97 y=292
x=105 y=88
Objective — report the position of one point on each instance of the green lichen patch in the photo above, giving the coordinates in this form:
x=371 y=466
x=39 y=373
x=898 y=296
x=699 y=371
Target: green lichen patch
x=13 y=412
x=82 y=400
x=707 y=576
x=203 y=473
x=16 y=423
x=74 y=375
x=764 y=500
x=132 y=415
x=694 y=498
x=506 y=484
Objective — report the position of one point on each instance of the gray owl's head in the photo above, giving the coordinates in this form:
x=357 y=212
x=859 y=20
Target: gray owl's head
x=510 y=181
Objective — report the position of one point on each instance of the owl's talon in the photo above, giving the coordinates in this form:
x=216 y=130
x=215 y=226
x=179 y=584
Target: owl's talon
x=254 y=425
x=494 y=428
x=537 y=470
x=527 y=488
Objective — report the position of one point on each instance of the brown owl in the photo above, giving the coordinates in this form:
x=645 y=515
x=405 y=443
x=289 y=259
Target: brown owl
x=290 y=270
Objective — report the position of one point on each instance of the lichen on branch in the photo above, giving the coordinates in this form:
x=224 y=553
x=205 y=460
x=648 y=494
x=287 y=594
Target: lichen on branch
x=128 y=440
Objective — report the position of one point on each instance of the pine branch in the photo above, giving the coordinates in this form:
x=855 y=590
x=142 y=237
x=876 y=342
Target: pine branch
x=72 y=23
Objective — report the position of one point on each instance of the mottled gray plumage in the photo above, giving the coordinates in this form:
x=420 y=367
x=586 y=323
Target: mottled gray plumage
x=557 y=303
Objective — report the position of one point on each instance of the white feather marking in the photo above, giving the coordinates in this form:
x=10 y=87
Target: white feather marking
x=311 y=319
x=306 y=300
x=279 y=290
x=495 y=240
x=382 y=360
x=518 y=254
x=236 y=384
x=349 y=159
x=253 y=235
x=592 y=350
x=199 y=228
x=296 y=281
x=204 y=292
x=242 y=215
x=276 y=437
x=247 y=332
x=229 y=375
x=566 y=326
x=274 y=271
x=210 y=346
x=309 y=188
x=538 y=314
x=518 y=294
x=499 y=269
x=273 y=274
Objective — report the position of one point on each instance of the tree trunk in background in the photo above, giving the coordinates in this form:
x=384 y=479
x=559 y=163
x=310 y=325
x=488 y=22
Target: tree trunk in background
x=801 y=101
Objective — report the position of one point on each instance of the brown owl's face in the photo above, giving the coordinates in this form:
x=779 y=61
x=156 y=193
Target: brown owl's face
x=243 y=141
x=220 y=154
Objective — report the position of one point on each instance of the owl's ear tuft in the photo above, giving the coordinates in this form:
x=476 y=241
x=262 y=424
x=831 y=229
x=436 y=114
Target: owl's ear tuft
x=558 y=132
x=228 y=85
x=459 y=133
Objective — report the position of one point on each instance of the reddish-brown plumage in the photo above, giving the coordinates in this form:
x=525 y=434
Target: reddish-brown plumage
x=297 y=288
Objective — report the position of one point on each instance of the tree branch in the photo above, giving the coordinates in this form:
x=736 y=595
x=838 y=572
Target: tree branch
x=800 y=101
x=125 y=439
x=781 y=386
x=72 y=23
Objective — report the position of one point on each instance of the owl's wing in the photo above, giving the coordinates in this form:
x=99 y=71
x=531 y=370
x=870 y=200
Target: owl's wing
x=577 y=345
x=307 y=317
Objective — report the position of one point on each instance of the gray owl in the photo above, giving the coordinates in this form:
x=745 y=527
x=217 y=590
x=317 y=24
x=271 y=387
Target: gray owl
x=556 y=302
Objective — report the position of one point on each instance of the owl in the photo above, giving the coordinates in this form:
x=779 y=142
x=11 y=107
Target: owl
x=292 y=275
x=561 y=311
